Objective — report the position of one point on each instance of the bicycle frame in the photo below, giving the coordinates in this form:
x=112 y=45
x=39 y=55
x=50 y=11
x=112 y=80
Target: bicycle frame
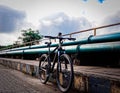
x=59 y=49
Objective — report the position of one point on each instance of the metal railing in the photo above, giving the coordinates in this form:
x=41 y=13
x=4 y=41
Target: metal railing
x=91 y=29
x=70 y=35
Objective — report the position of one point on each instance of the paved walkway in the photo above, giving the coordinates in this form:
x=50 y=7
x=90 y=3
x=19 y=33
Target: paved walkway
x=12 y=81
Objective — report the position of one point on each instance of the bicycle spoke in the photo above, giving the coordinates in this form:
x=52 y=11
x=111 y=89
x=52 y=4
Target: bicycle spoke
x=64 y=73
x=43 y=69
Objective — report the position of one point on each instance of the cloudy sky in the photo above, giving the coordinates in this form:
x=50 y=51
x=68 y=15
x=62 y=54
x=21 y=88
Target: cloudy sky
x=53 y=16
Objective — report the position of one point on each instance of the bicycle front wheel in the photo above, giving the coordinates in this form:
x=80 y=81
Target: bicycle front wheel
x=44 y=69
x=65 y=73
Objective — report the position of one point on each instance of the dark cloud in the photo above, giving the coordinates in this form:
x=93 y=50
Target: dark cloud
x=112 y=19
x=115 y=18
x=63 y=23
x=10 y=19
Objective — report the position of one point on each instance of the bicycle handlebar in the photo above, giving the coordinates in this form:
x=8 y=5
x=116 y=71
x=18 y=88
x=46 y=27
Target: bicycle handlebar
x=52 y=37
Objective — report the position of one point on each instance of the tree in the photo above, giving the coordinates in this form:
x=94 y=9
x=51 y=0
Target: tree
x=2 y=46
x=30 y=35
x=5 y=47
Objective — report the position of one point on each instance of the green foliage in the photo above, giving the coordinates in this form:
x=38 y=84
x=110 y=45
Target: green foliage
x=2 y=47
x=5 y=47
x=27 y=36
x=30 y=35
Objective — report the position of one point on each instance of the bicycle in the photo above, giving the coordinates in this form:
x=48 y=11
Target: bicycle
x=64 y=71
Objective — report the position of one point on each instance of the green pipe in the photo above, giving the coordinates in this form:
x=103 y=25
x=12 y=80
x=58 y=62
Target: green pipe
x=68 y=49
x=95 y=47
x=20 y=48
x=15 y=52
x=71 y=49
x=36 y=51
x=100 y=47
x=105 y=38
x=82 y=41
x=90 y=39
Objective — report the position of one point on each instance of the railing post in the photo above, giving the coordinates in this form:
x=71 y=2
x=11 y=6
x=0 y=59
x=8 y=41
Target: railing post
x=55 y=40
x=94 y=31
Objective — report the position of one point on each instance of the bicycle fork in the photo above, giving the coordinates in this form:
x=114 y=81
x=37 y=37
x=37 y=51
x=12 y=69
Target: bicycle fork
x=59 y=63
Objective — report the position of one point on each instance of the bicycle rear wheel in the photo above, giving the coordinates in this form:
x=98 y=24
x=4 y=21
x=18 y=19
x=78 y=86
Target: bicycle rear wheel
x=44 y=69
x=65 y=73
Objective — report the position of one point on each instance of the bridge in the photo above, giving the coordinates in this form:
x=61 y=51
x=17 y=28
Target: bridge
x=96 y=60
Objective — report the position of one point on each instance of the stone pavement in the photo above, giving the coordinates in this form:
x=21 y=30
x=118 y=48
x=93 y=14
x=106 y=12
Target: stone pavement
x=12 y=81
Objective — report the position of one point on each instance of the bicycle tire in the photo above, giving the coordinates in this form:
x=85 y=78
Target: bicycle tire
x=43 y=68
x=65 y=74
